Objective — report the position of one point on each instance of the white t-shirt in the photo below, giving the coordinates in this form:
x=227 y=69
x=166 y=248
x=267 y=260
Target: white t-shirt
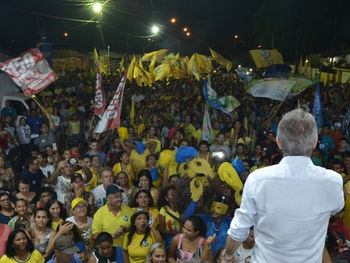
x=23 y=134
x=62 y=188
x=49 y=168
x=243 y=253
x=99 y=193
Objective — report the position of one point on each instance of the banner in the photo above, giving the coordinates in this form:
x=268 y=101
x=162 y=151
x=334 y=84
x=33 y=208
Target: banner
x=207 y=133
x=30 y=71
x=100 y=98
x=278 y=88
x=111 y=117
x=317 y=108
x=226 y=104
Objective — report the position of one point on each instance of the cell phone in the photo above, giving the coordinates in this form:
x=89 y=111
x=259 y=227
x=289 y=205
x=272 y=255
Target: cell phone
x=54 y=146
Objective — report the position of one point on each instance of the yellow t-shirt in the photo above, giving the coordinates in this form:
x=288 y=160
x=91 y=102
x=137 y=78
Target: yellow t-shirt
x=155 y=214
x=54 y=225
x=75 y=127
x=138 y=161
x=106 y=221
x=175 y=224
x=138 y=252
x=347 y=185
x=118 y=168
x=94 y=181
x=35 y=257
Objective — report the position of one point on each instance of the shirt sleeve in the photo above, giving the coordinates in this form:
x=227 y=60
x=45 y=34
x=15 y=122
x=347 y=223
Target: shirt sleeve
x=97 y=223
x=245 y=216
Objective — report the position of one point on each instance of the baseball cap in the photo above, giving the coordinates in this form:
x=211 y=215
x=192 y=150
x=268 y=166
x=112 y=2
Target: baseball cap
x=65 y=245
x=75 y=176
x=77 y=201
x=113 y=189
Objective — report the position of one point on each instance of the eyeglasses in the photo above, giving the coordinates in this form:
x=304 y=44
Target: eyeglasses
x=81 y=207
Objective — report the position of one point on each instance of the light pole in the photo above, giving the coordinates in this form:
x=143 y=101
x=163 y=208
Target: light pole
x=97 y=7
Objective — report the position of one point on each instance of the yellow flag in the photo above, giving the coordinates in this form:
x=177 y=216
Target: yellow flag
x=121 y=65
x=130 y=73
x=264 y=58
x=103 y=66
x=159 y=54
x=221 y=60
x=193 y=67
x=162 y=71
x=141 y=76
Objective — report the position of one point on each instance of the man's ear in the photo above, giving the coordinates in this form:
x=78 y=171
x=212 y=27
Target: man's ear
x=279 y=143
x=315 y=142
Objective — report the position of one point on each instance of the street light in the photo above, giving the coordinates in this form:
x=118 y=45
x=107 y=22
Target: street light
x=65 y=34
x=155 y=29
x=185 y=29
x=236 y=36
x=173 y=20
x=97 y=7
x=188 y=34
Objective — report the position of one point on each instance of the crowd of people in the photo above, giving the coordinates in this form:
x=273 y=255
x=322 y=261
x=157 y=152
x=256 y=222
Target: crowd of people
x=151 y=190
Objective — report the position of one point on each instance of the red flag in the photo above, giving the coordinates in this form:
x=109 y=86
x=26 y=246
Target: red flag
x=111 y=117
x=30 y=71
x=100 y=98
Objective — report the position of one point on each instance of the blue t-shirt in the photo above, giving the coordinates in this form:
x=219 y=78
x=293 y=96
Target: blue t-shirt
x=34 y=179
x=9 y=112
x=34 y=124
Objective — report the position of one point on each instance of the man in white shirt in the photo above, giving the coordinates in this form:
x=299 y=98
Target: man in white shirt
x=99 y=192
x=289 y=204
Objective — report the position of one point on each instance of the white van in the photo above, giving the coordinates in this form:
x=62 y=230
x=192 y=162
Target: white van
x=19 y=102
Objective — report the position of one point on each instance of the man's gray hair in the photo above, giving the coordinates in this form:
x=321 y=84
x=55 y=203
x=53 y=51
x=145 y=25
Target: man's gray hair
x=297 y=132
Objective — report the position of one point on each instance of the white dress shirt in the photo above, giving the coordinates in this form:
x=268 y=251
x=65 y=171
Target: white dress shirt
x=289 y=205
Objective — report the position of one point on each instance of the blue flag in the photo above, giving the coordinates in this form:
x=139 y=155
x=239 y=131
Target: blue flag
x=317 y=108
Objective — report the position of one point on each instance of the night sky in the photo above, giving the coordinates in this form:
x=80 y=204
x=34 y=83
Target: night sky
x=293 y=26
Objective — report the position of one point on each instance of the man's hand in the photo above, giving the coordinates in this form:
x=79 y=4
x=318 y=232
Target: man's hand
x=121 y=231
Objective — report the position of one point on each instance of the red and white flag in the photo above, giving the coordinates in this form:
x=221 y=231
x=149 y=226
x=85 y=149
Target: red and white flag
x=111 y=117
x=100 y=98
x=30 y=71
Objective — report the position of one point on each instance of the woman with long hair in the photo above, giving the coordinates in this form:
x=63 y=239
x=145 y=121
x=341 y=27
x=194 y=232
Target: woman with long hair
x=191 y=243
x=169 y=217
x=57 y=213
x=44 y=235
x=145 y=183
x=19 y=248
x=140 y=237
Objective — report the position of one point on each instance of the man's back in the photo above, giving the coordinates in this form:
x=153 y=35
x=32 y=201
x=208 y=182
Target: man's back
x=289 y=205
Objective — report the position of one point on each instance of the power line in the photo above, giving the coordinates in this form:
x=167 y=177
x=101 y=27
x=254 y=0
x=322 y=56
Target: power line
x=50 y=16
